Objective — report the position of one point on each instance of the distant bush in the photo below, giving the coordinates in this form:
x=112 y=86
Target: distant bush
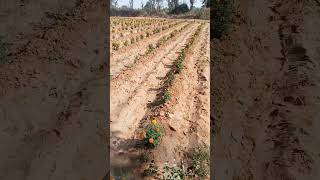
x=204 y=13
x=182 y=8
x=125 y=12
x=221 y=17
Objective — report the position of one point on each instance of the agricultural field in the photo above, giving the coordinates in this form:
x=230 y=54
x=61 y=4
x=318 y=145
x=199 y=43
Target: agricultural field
x=160 y=124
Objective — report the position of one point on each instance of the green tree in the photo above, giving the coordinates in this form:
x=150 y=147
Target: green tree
x=150 y=5
x=159 y=2
x=170 y=5
x=175 y=3
x=131 y=4
x=208 y=3
x=114 y=3
x=191 y=4
x=182 y=8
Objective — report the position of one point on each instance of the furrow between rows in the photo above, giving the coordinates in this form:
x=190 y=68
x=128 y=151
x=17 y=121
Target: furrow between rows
x=139 y=87
x=119 y=60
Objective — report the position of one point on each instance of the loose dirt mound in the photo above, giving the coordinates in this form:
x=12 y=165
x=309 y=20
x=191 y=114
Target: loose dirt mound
x=266 y=93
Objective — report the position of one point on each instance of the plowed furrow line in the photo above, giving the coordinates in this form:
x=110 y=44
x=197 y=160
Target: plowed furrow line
x=143 y=69
x=123 y=58
x=201 y=119
x=123 y=66
x=138 y=87
x=128 y=34
x=187 y=111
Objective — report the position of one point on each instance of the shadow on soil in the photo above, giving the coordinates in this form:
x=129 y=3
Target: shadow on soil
x=126 y=158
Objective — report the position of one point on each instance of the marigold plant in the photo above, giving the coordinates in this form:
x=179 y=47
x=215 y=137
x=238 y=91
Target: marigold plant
x=153 y=133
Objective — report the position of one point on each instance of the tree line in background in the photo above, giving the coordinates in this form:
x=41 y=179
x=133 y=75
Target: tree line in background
x=156 y=6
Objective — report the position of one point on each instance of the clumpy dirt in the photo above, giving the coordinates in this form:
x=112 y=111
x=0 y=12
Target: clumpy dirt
x=265 y=93
x=53 y=91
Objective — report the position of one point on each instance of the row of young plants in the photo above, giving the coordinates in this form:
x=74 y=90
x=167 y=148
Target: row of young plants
x=116 y=45
x=162 y=41
x=119 y=22
x=140 y=36
x=132 y=24
x=178 y=66
x=143 y=31
x=153 y=46
x=155 y=131
x=139 y=26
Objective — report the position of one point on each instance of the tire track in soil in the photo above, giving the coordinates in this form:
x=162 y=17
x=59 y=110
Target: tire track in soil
x=123 y=58
x=139 y=86
x=187 y=114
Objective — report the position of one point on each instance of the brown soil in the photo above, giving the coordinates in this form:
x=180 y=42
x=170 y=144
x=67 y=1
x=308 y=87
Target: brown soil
x=134 y=94
x=53 y=96
x=127 y=34
x=187 y=116
x=133 y=89
x=265 y=96
x=125 y=57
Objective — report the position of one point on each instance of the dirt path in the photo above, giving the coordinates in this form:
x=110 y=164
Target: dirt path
x=134 y=89
x=124 y=57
